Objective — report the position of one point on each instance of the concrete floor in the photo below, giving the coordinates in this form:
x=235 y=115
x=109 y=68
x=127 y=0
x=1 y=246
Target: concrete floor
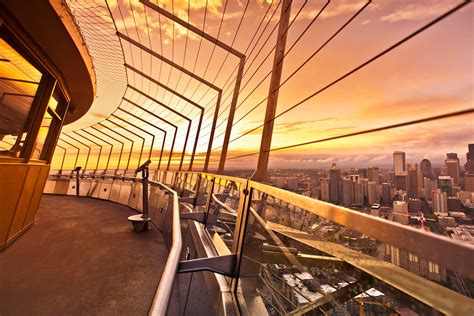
x=81 y=257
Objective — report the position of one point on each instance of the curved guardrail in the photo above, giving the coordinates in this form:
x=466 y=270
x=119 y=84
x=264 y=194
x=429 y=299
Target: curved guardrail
x=163 y=294
x=253 y=195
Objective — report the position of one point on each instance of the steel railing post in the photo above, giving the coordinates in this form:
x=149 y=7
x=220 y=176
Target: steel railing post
x=245 y=202
x=261 y=174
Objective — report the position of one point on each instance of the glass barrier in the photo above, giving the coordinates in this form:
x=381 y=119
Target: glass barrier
x=296 y=262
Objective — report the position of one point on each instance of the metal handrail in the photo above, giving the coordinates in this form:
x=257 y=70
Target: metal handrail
x=163 y=293
x=454 y=257
x=383 y=230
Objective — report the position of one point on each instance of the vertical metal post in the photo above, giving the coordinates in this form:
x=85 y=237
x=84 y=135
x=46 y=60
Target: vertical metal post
x=145 y=174
x=213 y=130
x=77 y=180
x=230 y=119
x=88 y=152
x=131 y=147
x=245 y=203
x=185 y=99
x=261 y=174
x=162 y=119
x=140 y=222
x=175 y=112
x=121 y=148
x=77 y=156
x=97 y=144
x=64 y=158
x=131 y=132
x=139 y=128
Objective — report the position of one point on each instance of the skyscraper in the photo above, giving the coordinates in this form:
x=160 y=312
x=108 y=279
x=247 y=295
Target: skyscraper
x=425 y=166
x=469 y=166
x=358 y=194
x=372 y=192
x=347 y=192
x=452 y=167
x=399 y=163
x=324 y=189
x=386 y=194
x=362 y=172
x=334 y=185
x=440 y=201
x=469 y=182
x=445 y=184
x=412 y=186
x=401 y=182
x=373 y=174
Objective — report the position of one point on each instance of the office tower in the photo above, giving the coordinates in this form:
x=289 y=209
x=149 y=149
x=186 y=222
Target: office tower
x=412 y=177
x=446 y=183
x=386 y=194
x=469 y=182
x=415 y=206
x=452 y=167
x=325 y=189
x=440 y=201
x=362 y=172
x=425 y=167
x=427 y=188
x=347 y=192
x=401 y=182
x=334 y=185
x=358 y=194
x=399 y=162
x=372 y=193
x=470 y=153
x=373 y=174
x=469 y=165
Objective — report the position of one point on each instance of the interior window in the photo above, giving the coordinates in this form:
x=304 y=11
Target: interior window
x=19 y=81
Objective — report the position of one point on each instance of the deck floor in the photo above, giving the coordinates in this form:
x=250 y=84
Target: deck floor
x=81 y=257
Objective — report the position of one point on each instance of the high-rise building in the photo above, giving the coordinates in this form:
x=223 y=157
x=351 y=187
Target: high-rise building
x=347 y=192
x=334 y=185
x=358 y=194
x=469 y=182
x=325 y=189
x=445 y=184
x=401 y=182
x=425 y=167
x=412 y=177
x=440 y=201
x=386 y=194
x=373 y=174
x=469 y=165
x=362 y=172
x=452 y=167
x=399 y=163
x=372 y=193
x=428 y=186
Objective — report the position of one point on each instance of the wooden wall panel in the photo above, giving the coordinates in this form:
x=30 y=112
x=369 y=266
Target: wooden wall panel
x=11 y=184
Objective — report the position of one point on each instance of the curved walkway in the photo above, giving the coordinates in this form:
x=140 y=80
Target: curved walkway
x=81 y=257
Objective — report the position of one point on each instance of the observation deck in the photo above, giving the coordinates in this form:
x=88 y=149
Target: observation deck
x=172 y=158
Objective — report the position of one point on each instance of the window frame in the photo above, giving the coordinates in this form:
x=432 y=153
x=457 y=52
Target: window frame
x=49 y=85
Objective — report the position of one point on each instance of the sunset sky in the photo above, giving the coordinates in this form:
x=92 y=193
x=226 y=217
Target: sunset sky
x=430 y=75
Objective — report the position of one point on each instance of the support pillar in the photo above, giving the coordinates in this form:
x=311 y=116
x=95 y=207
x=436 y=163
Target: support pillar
x=261 y=174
